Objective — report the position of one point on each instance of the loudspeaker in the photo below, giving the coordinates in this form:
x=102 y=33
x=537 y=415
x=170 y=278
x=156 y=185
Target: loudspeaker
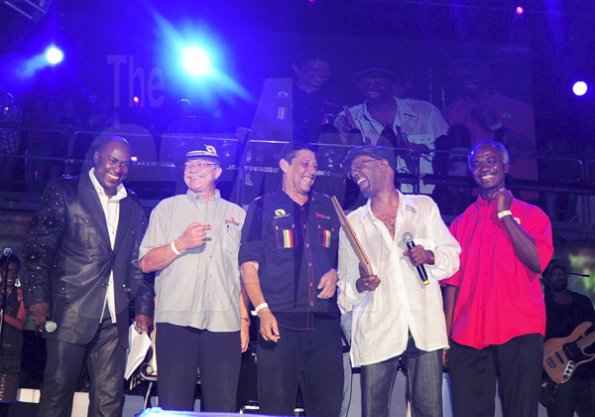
x=17 y=409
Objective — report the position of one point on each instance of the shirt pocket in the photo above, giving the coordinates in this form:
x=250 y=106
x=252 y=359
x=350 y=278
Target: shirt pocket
x=285 y=233
x=325 y=233
x=232 y=233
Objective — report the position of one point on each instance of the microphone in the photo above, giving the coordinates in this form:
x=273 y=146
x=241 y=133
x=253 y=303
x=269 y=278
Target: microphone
x=7 y=252
x=421 y=271
x=48 y=327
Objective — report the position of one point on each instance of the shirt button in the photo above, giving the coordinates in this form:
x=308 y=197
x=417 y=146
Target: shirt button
x=310 y=285
x=307 y=245
x=312 y=304
x=310 y=264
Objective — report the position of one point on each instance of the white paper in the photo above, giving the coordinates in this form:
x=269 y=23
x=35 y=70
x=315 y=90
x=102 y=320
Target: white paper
x=139 y=344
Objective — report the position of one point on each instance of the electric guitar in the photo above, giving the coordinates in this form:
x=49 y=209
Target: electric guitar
x=563 y=355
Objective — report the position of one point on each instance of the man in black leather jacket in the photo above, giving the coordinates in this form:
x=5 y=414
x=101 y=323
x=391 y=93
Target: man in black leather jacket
x=81 y=271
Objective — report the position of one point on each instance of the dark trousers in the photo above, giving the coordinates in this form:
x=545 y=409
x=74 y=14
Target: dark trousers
x=517 y=367
x=106 y=361
x=575 y=395
x=312 y=360
x=181 y=352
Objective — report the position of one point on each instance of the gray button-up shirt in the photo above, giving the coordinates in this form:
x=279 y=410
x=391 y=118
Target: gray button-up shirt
x=200 y=288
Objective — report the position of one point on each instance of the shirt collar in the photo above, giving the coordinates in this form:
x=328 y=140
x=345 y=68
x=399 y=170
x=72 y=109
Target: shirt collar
x=405 y=203
x=287 y=197
x=403 y=109
x=195 y=197
x=120 y=190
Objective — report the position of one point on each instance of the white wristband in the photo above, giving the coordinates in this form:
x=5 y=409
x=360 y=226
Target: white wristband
x=261 y=306
x=504 y=213
x=175 y=250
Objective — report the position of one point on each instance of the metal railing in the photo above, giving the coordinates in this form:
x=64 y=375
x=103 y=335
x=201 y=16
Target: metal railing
x=155 y=164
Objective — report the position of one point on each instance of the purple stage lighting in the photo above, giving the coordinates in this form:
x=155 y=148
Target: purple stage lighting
x=519 y=10
x=580 y=88
x=54 y=55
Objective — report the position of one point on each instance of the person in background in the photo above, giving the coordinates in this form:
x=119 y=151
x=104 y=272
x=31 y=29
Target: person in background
x=489 y=114
x=313 y=109
x=565 y=310
x=385 y=120
x=14 y=315
x=11 y=117
x=451 y=161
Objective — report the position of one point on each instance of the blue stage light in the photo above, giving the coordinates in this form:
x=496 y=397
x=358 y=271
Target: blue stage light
x=54 y=55
x=196 y=61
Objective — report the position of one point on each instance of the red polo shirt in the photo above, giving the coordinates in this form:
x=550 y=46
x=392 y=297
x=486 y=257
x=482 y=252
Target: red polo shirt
x=499 y=297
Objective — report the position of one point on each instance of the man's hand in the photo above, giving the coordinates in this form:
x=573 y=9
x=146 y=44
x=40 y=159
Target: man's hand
x=144 y=323
x=39 y=311
x=503 y=199
x=193 y=237
x=328 y=284
x=244 y=334
x=419 y=256
x=367 y=283
x=269 y=329
x=418 y=147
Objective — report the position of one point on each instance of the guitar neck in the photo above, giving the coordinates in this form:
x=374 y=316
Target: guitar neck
x=586 y=341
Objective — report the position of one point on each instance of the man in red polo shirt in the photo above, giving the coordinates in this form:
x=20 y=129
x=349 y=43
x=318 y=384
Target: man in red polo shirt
x=494 y=304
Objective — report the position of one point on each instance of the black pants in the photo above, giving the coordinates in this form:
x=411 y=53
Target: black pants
x=181 y=352
x=517 y=367
x=106 y=362
x=312 y=360
x=575 y=395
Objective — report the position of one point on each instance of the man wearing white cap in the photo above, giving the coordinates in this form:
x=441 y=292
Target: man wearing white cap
x=192 y=243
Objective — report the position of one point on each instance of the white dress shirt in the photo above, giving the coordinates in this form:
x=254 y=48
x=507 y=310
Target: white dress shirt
x=111 y=210
x=419 y=121
x=383 y=318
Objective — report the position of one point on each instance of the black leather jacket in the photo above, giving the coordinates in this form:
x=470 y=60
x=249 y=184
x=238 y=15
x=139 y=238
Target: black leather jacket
x=68 y=259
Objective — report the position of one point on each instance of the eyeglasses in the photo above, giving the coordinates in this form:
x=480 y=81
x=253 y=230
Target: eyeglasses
x=199 y=165
x=116 y=162
x=357 y=166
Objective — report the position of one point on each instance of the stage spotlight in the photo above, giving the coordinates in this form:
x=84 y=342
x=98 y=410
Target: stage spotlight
x=54 y=55
x=579 y=88
x=196 y=61
x=519 y=10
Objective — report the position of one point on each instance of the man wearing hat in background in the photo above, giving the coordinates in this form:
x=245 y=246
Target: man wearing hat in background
x=192 y=243
x=385 y=120
x=397 y=318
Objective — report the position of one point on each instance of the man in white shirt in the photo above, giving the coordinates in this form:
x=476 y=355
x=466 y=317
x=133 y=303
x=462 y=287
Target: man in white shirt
x=397 y=318
x=385 y=120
